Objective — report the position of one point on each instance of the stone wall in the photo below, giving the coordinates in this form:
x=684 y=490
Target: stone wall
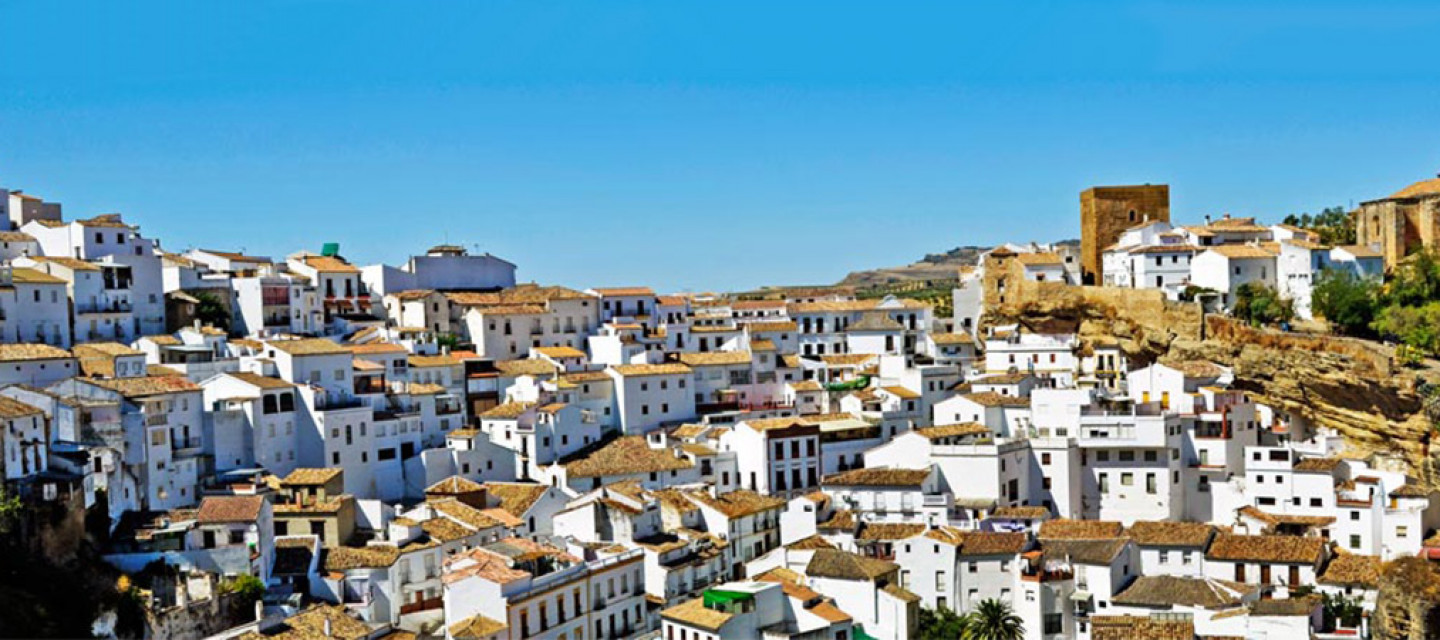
x=1105 y=212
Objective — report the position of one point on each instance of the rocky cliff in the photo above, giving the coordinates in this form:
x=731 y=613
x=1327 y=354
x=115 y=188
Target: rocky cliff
x=1349 y=385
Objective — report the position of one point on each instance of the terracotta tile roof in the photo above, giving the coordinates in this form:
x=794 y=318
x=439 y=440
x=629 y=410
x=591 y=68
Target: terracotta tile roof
x=484 y=564
x=163 y=340
x=454 y=485
x=147 y=386
x=1421 y=188
x=1352 y=569
x=626 y=455
x=1092 y=552
x=806 y=386
x=463 y=513
x=1070 y=529
x=476 y=626
x=994 y=399
x=328 y=264
x=841 y=519
x=1040 y=259
x=23 y=275
x=848 y=359
x=516 y=498
x=1361 y=251
x=948 y=535
x=771 y=326
x=111 y=220
x=878 y=477
x=558 y=352
x=810 y=543
x=433 y=361
x=306 y=477
x=843 y=565
x=445 y=530
x=715 y=358
x=16 y=236
x=12 y=408
x=11 y=352
x=222 y=509
x=308 y=347
x=74 y=264
x=1021 y=513
x=1165 y=248
x=1163 y=533
x=771 y=424
x=889 y=530
x=507 y=411
x=1241 y=251
x=848 y=306
x=901 y=392
x=945 y=339
x=311 y=625
x=694 y=613
x=377 y=556
x=1280 y=549
x=624 y=291
x=104 y=350
x=1161 y=591
x=738 y=503
x=1295 y=606
x=668 y=368
x=1410 y=491
x=1140 y=628
x=991 y=543
x=264 y=382
x=520 y=294
x=525 y=367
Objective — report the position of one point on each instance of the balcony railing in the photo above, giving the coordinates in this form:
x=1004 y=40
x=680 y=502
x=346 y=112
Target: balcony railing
x=114 y=306
x=157 y=419
x=180 y=444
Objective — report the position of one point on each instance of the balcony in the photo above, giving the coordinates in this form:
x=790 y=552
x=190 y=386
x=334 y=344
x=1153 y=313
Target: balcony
x=183 y=445
x=423 y=605
x=113 y=306
x=157 y=419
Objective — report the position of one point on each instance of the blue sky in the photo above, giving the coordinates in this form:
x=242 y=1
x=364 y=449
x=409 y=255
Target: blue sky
x=701 y=145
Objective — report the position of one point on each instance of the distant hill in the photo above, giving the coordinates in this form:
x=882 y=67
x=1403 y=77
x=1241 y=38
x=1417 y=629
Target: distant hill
x=934 y=266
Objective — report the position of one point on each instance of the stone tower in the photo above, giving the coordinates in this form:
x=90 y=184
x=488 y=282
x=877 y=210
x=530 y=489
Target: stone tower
x=1105 y=212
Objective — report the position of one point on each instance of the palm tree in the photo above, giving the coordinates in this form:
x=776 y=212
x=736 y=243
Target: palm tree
x=994 y=620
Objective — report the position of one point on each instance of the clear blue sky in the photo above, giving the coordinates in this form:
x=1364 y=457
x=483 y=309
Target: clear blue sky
x=703 y=146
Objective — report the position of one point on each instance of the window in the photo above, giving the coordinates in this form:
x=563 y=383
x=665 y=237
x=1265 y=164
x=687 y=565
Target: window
x=1354 y=541
x=1127 y=479
x=1402 y=532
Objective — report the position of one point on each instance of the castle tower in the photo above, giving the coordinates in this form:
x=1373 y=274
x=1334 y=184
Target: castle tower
x=1105 y=212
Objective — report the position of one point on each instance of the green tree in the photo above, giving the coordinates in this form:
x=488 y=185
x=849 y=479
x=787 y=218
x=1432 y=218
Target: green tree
x=1415 y=281
x=1334 y=225
x=249 y=588
x=1417 y=327
x=211 y=311
x=1258 y=304
x=941 y=624
x=10 y=507
x=994 y=620
x=1346 y=300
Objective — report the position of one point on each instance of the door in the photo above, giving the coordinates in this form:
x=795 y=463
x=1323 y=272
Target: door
x=1264 y=574
x=1239 y=572
x=1294 y=577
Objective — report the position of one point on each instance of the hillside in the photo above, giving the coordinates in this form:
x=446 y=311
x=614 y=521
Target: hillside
x=933 y=266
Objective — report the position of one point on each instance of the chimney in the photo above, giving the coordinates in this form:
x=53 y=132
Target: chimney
x=327 y=627
x=1207 y=219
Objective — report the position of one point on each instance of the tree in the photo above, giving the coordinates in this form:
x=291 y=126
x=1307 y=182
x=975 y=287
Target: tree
x=1334 y=225
x=1258 y=304
x=1417 y=327
x=994 y=620
x=210 y=311
x=10 y=508
x=941 y=624
x=1415 y=281
x=1346 y=300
